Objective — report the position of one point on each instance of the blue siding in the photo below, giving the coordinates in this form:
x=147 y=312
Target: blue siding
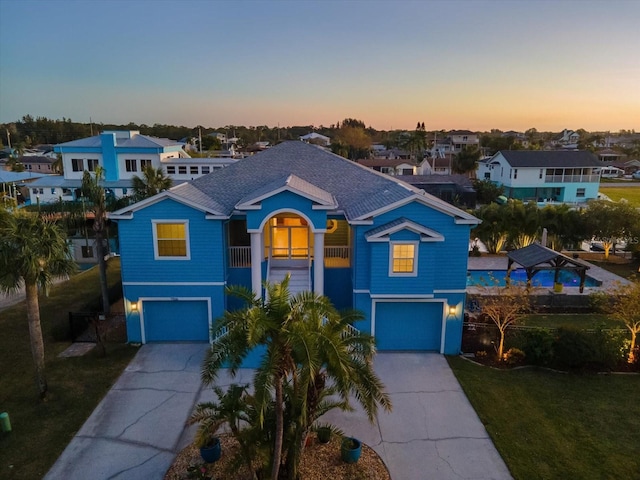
x=206 y=241
x=291 y=202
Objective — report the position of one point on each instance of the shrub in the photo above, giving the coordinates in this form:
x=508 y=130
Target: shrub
x=538 y=346
x=578 y=349
x=514 y=356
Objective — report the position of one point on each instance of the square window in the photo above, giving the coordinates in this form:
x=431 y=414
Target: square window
x=182 y=169
x=403 y=259
x=171 y=240
x=92 y=164
x=580 y=193
x=171 y=169
x=77 y=164
x=193 y=169
x=131 y=165
x=144 y=163
x=205 y=169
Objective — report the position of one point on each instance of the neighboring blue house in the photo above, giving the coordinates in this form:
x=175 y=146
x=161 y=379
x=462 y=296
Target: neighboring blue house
x=364 y=239
x=122 y=154
x=544 y=176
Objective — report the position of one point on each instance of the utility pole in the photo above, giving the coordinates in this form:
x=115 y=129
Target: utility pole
x=91 y=123
x=9 y=139
x=200 y=139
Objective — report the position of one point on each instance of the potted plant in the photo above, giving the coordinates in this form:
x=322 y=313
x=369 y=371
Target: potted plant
x=323 y=432
x=350 y=450
x=211 y=451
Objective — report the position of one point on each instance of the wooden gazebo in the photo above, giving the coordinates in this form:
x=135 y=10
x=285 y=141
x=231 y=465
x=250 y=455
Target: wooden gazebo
x=535 y=257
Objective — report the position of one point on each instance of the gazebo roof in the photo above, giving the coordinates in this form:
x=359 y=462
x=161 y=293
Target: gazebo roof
x=535 y=254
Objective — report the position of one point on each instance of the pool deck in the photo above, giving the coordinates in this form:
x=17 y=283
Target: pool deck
x=499 y=262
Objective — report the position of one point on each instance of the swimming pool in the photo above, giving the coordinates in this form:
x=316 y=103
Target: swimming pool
x=543 y=278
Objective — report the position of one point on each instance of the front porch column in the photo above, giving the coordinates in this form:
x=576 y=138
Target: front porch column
x=256 y=263
x=318 y=263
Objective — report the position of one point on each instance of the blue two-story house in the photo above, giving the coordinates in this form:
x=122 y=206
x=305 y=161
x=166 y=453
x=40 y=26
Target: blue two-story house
x=364 y=239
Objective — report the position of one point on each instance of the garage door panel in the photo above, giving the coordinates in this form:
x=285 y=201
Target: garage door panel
x=176 y=321
x=408 y=325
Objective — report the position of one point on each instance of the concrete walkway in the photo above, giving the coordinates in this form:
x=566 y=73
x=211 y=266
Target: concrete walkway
x=138 y=428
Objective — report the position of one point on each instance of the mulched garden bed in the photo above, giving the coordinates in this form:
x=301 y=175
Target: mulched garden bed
x=319 y=461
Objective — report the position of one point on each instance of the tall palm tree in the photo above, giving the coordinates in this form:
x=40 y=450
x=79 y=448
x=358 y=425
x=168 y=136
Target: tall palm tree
x=94 y=192
x=33 y=252
x=306 y=343
x=153 y=181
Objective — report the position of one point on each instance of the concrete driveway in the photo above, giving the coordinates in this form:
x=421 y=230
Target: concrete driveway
x=139 y=427
x=433 y=432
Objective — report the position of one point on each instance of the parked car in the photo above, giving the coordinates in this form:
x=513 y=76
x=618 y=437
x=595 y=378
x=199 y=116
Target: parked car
x=636 y=175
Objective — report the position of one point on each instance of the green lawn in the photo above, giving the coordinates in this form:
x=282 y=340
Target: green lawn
x=41 y=430
x=557 y=426
x=631 y=194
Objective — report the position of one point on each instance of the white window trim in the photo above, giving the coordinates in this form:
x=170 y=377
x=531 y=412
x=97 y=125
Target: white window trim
x=156 y=256
x=414 y=273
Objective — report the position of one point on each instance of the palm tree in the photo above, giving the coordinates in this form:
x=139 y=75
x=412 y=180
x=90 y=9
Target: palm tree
x=153 y=182
x=306 y=343
x=94 y=192
x=33 y=252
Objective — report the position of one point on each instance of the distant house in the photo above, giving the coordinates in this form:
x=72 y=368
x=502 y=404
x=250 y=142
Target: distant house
x=366 y=240
x=463 y=139
x=544 y=176
x=568 y=139
x=392 y=167
x=609 y=155
x=316 y=139
x=122 y=155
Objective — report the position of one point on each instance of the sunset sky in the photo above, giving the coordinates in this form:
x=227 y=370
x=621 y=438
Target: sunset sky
x=471 y=64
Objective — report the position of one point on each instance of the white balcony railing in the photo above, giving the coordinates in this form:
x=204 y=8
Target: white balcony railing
x=571 y=178
x=239 y=257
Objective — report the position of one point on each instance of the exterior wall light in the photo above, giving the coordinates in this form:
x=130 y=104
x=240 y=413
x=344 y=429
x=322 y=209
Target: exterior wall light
x=134 y=306
x=452 y=310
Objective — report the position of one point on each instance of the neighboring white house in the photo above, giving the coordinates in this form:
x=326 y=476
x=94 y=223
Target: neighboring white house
x=316 y=138
x=544 y=176
x=568 y=139
x=122 y=155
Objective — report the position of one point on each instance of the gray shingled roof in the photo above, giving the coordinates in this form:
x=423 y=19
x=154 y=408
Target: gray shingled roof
x=553 y=158
x=295 y=183
x=359 y=191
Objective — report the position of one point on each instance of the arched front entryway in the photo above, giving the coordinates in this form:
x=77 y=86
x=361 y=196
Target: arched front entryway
x=288 y=237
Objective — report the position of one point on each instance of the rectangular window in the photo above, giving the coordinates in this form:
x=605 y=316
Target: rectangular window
x=92 y=164
x=182 y=169
x=171 y=169
x=131 y=165
x=171 y=240
x=193 y=169
x=205 y=169
x=515 y=173
x=77 y=164
x=403 y=259
x=53 y=191
x=144 y=164
x=35 y=190
x=580 y=193
x=41 y=191
x=540 y=174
